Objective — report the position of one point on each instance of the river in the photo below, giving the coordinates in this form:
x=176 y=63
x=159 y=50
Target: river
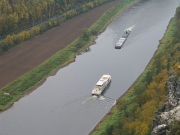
x=63 y=105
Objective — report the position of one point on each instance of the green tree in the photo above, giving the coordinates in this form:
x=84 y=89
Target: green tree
x=86 y=34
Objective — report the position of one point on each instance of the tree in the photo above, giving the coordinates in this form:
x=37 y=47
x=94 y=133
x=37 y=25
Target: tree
x=86 y=34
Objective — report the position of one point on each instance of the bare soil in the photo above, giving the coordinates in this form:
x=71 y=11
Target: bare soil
x=24 y=57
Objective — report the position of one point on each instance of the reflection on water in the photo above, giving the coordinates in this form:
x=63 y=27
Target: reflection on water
x=88 y=49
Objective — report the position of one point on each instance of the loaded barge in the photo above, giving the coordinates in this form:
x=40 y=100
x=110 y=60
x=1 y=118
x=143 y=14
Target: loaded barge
x=101 y=85
x=122 y=40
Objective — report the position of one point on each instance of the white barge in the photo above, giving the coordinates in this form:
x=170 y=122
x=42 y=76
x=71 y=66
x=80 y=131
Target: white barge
x=101 y=85
x=122 y=40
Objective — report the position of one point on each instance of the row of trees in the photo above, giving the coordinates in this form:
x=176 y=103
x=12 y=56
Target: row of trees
x=21 y=20
x=17 y=15
x=15 y=39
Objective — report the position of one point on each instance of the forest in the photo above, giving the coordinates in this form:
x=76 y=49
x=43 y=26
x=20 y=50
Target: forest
x=21 y=20
x=134 y=113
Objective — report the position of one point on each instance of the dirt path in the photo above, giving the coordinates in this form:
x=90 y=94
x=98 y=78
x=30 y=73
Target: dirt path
x=29 y=54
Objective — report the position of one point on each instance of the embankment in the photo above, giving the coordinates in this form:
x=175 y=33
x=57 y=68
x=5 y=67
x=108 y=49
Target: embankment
x=30 y=61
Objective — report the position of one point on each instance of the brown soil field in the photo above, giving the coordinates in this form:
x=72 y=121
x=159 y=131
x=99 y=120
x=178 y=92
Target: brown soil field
x=24 y=57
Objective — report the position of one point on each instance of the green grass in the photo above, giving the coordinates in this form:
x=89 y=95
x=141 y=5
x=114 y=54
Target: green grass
x=36 y=76
x=108 y=17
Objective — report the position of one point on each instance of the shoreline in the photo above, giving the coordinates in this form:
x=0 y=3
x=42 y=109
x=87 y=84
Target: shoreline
x=71 y=58
x=31 y=53
x=113 y=110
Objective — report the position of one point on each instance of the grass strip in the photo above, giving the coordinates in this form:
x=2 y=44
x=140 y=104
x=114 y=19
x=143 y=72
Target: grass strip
x=36 y=76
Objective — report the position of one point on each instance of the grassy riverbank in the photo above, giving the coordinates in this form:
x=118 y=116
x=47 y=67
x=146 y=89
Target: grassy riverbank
x=134 y=111
x=26 y=83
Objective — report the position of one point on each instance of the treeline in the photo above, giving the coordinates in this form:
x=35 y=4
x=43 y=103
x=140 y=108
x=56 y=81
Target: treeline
x=133 y=114
x=23 y=19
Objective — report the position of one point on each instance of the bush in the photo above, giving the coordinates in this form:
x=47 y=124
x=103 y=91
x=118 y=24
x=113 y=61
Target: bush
x=94 y=32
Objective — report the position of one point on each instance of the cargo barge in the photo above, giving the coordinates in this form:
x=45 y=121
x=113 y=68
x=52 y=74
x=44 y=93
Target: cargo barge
x=122 y=40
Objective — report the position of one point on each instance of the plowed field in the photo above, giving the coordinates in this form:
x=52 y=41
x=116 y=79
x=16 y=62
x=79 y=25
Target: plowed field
x=22 y=58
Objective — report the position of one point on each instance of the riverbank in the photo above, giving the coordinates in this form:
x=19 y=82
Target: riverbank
x=27 y=82
x=134 y=110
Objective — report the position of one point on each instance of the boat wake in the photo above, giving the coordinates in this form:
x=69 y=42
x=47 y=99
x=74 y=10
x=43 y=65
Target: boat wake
x=89 y=101
x=97 y=99
x=130 y=28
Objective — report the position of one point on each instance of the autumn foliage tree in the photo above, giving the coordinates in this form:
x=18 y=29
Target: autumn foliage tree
x=28 y=18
